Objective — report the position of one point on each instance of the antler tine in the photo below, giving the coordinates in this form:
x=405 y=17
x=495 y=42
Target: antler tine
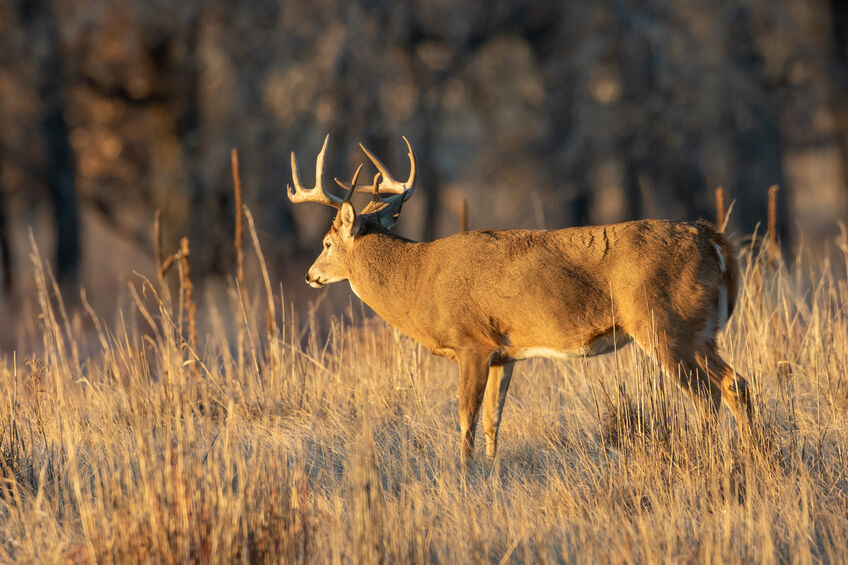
x=410 y=181
x=375 y=189
x=389 y=184
x=346 y=185
x=298 y=193
x=376 y=204
x=353 y=182
x=319 y=163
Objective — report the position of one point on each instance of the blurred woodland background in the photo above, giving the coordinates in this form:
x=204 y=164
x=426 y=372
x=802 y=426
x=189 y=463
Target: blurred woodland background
x=541 y=114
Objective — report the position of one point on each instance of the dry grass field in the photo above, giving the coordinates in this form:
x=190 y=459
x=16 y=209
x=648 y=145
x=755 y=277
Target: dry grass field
x=337 y=440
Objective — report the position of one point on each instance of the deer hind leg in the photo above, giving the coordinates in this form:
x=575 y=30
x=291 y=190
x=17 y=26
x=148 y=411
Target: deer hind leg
x=473 y=375
x=493 y=403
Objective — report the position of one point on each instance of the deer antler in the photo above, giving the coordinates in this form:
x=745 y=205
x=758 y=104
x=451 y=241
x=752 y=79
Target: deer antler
x=387 y=194
x=353 y=181
x=376 y=204
x=396 y=193
x=317 y=193
x=388 y=185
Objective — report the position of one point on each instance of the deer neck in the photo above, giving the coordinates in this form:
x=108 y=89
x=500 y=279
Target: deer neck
x=383 y=271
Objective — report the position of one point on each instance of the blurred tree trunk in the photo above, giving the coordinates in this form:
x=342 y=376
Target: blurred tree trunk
x=61 y=179
x=429 y=114
x=638 y=84
x=581 y=205
x=185 y=93
x=5 y=243
x=566 y=161
x=272 y=186
x=60 y=165
x=756 y=139
x=839 y=99
x=210 y=214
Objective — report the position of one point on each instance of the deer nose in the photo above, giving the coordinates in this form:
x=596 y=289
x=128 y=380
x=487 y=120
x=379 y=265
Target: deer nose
x=314 y=282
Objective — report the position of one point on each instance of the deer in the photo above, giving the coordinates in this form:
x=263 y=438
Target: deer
x=485 y=299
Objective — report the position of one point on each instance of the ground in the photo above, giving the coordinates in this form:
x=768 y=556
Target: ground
x=336 y=438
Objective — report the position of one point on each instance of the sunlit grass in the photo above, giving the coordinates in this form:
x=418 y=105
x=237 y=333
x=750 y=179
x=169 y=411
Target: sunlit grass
x=337 y=440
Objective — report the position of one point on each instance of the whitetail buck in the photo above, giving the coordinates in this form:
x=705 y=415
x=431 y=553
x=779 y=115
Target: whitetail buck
x=488 y=298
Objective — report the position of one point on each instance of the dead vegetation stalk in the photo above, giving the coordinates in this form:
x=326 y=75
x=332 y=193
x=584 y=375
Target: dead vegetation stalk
x=237 y=240
x=463 y=215
x=772 y=242
x=271 y=311
x=720 y=210
x=188 y=293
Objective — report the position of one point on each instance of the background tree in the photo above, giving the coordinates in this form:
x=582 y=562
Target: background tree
x=539 y=114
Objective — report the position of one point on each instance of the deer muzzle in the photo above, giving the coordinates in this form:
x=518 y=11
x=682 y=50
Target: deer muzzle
x=313 y=281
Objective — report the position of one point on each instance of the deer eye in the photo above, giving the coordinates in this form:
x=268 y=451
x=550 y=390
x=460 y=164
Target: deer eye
x=326 y=245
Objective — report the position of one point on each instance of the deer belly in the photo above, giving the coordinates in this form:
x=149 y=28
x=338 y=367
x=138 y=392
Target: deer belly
x=604 y=343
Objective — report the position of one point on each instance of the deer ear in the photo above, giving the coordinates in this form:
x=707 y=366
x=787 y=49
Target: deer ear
x=349 y=220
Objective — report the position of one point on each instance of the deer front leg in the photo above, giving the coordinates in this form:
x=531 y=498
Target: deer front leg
x=473 y=375
x=734 y=388
x=493 y=403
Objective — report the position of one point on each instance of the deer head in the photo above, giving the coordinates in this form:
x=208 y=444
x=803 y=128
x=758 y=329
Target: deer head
x=388 y=196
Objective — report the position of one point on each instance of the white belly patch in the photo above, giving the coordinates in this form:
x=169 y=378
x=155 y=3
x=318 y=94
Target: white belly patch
x=604 y=344
x=549 y=353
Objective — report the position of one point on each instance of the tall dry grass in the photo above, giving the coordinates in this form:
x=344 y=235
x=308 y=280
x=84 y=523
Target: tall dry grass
x=336 y=440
